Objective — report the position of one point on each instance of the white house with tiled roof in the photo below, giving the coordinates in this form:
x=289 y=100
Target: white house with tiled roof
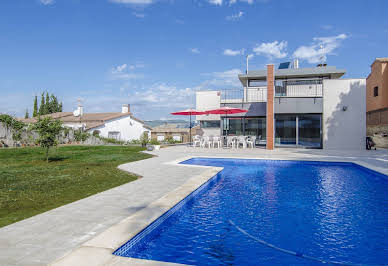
x=117 y=125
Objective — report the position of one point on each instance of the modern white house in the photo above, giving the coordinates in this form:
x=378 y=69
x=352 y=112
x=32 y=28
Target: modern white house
x=291 y=107
x=120 y=125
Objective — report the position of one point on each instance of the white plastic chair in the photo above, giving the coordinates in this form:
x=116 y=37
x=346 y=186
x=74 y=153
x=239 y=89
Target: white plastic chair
x=217 y=140
x=196 y=140
x=251 y=141
x=241 y=140
x=230 y=141
x=206 y=141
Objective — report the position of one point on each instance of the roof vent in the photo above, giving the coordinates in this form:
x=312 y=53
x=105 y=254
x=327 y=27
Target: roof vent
x=125 y=108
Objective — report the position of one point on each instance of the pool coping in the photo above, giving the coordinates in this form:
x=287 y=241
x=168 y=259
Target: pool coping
x=99 y=250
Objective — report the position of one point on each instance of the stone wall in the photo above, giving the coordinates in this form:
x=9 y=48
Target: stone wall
x=28 y=138
x=379 y=134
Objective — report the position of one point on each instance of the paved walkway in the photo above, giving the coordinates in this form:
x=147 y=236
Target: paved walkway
x=44 y=238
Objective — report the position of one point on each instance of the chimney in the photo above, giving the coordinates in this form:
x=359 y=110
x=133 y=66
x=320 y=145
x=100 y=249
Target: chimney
x=81 y=110
x=125 y=109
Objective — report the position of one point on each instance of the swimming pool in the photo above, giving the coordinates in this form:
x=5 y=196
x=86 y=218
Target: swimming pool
x=273 y=212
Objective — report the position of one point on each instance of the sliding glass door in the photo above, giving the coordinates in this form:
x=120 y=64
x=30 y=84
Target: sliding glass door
x=309 y=129
x=256 y=127
x=299 y=130
x=285 y=132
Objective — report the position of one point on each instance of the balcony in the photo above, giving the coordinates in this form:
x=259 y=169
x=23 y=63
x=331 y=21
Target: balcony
x=298 y=88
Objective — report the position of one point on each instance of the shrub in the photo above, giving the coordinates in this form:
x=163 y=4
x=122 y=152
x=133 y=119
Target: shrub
x=80 y=135
x=13 y=124
x=154 y=142
x=96 y=133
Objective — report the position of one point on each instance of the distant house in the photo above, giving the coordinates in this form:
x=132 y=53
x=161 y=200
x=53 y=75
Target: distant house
x=377 y=102
x=163 y=132
x=120 y=125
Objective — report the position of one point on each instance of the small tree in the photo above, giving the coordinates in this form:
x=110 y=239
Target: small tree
x=35 y=113
x=42 y=107
x=144 y=139
x=27 y=115
x=49 y=131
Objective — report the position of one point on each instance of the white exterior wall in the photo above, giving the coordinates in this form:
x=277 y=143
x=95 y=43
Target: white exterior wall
x=207 y=100
x=344 y=130
x=129 y=129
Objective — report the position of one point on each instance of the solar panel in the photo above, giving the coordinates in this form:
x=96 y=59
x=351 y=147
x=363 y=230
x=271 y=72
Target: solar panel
x=284 y=65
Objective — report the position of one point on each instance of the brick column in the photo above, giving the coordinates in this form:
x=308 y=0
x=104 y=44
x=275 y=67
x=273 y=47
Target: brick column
x=270 y=107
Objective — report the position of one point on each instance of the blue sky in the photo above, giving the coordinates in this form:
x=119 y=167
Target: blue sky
x=154 y=54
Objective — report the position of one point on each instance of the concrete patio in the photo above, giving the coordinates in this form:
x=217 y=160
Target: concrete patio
x=45 y=238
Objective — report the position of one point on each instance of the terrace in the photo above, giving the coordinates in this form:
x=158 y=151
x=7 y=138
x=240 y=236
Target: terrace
x=256 y=91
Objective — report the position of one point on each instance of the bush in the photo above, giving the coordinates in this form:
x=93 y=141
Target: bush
x=134 y=141
x=80 y=135
x=13 y=124
x=96 y=133
x=171 y=140
x=154 y=142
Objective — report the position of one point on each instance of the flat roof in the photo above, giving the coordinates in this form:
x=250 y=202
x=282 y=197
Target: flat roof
x=329 y=71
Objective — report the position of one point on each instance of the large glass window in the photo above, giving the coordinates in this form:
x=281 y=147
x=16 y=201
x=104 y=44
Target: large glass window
x=309 y=130
x=285 y=132
x=210 y=124
x=233 y=126
x=256 y=127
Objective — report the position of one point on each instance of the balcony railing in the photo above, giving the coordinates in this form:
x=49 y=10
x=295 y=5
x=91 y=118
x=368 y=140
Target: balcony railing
x=299 y=88
x=283 y=88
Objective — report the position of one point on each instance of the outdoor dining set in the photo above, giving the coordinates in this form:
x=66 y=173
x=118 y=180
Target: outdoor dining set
x=225 y=141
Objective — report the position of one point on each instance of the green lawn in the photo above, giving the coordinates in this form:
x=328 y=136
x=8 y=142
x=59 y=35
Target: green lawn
x=29 y=185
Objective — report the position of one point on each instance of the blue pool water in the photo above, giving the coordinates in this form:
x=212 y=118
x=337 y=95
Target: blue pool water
x=334 y=212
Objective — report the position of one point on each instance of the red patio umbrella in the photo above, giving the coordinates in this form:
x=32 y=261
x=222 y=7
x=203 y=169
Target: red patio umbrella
x=225 y=111
x=189 y=112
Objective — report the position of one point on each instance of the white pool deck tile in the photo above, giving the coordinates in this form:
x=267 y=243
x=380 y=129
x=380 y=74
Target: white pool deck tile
x=86 y=232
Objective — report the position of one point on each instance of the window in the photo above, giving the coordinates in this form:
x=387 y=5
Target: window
x=114 y=135
x=176 y=137
x=210 y=124
x=376 y=91
x=160 y=137
x=257 y=83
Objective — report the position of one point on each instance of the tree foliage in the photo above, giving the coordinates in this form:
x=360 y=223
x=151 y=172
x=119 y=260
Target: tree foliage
x=13 y=124
x=49 y=104
x=144 y=139
x=35 y=112
x=48 y=130
x=80 y=135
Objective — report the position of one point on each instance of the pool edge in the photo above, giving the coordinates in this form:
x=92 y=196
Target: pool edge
x=103 y=245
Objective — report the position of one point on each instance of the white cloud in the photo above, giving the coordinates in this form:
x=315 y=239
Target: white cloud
x=231 y=2
x=224 y=79
x=123 y=72
x=132 y=2
x=216 y=2
x=235 y=16
x=231 y=52
x=271 y=50
x=195 y=50
x=319 y=49
x=47 y=2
